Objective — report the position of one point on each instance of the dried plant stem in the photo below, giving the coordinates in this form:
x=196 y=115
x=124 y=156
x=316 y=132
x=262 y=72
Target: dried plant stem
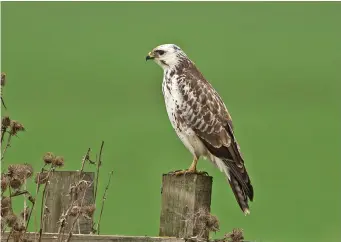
x=10 y=198
x=3 y=131
x=42 y=212
x=99 y=164
x=33 y=205
x=6 y=147
x=85 y=158
x=43 y=204
x=78 y=214
x=25 y=205
x=29 y=217
x=18 y=193
x=63 y=217
x=103 y=200
x=63 y=220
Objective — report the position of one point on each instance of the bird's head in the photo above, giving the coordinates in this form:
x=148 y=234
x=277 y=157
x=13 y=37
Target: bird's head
x=166 y=56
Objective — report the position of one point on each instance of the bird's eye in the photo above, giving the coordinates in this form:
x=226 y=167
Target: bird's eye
x=160 y=52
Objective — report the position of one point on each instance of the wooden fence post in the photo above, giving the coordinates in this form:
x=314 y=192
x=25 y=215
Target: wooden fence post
x=60 y=197
x=183 y=197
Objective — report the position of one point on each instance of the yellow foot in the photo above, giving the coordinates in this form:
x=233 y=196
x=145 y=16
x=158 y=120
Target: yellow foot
x=188 y=171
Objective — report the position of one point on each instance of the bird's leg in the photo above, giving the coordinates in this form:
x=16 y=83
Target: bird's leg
x=191 y=170
x=193 y=167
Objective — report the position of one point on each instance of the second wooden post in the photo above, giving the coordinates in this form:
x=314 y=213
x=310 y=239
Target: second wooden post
x=186 y=199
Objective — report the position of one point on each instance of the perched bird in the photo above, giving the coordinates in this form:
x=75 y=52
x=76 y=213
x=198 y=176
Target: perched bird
x=201 y=119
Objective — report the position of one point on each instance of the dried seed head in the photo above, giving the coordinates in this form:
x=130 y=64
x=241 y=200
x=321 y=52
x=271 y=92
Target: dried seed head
x=25 y=213
x=5 y=206
x=42 y=177
x=4 y=183
x=19 y=227
x=49 y=158
x=11 y=219
x=3 y=79
x=5 y=122
x=58 y=161
x=89 y=210
x=83 y=185
x=22 y=171
x=16 y=127
x=235 y=236
x=212 y=223
x=74 y=211
x=28 y=170
x=13 y=170
x=15 y=182
x=5 y=202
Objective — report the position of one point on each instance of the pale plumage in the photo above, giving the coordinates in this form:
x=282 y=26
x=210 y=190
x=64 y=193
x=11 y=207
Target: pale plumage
x=201 y=120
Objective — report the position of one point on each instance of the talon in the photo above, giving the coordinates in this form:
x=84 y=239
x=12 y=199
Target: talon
x=180 y=172
x=177 y=172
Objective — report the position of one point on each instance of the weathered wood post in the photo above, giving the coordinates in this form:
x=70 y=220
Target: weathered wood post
x=63 y=192
x=183 y=197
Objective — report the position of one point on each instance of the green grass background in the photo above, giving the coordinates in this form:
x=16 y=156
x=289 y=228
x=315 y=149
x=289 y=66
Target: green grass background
x=77 y=75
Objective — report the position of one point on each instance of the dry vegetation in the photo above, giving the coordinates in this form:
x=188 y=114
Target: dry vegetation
x=16 y=177
x=205 y=222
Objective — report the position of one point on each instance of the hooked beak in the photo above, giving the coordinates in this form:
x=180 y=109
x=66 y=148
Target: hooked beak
x=150 y=56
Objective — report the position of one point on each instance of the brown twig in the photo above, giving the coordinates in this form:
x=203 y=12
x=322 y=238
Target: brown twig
x=99 y=164
x=63 y=217
x=103 y=200
x=85 y=158
x=43 y=204
x=18 y=193
x=33 y=200
x=3 y=82
x=78 y=214
x=3 y=131
x=8 y=144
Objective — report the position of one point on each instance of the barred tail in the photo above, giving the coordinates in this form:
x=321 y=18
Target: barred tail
x=240 y=193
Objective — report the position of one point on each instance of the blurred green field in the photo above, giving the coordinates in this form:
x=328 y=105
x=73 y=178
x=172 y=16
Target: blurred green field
x=77 y=75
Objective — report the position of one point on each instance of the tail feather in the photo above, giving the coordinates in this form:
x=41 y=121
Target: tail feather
x=230 y=161
x=239 y=193
x=243 y=179
x=239 y=182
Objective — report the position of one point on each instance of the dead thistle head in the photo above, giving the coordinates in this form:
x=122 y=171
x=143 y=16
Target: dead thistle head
x=212 y=223
x=4 y=182
x=49 y=158
x=88 y=211
x=5 y=122
x=21 y=171
x=16 y=127
x=11 y=219
x=58 y=161
x=235 y=236
x=15 y=182
x=41 y=178
x=5 y=206
x=27 y=170
x=19 y=227
x=74 y=211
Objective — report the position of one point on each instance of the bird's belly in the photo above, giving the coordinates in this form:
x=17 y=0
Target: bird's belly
x=184 y=132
